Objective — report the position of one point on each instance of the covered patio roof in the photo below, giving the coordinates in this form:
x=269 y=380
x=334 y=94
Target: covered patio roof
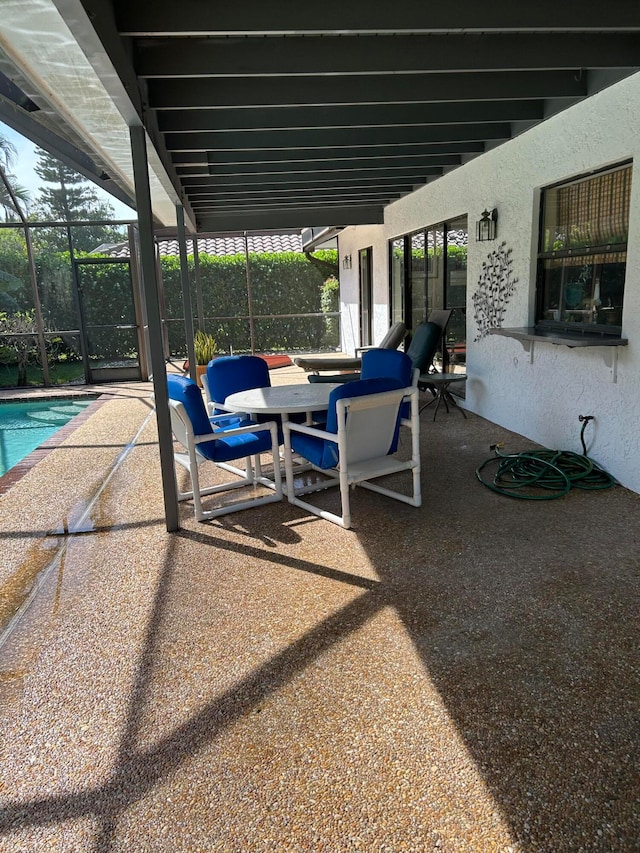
x=286 y=116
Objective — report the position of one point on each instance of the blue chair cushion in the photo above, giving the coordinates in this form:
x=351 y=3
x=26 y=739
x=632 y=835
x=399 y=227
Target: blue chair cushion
x=323 y=453
x=358 y=389
x=319 y=451
x=387 y=363
x=232 y=373
x=229 y=421
x=224 y=447
x=390 y=363
x=228 y=447
x=185 y=391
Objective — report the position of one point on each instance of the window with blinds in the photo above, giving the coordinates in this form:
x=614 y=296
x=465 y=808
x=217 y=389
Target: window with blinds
x=583 y=252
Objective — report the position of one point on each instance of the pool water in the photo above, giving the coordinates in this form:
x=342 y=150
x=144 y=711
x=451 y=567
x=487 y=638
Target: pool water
x=24 y=426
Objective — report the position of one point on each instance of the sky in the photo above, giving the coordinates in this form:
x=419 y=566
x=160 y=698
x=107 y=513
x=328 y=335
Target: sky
x=24 y=170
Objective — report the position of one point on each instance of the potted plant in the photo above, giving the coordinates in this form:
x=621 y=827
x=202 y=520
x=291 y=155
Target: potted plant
x=205 y=348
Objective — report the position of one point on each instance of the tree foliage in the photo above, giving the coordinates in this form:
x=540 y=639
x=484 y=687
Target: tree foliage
x=14 y=272
x=68 y=197
x=18 y=335
x=8 y=155
x=330 y=303
x=284 y=283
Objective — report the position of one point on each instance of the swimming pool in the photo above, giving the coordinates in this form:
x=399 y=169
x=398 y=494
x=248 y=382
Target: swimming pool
x=25 y=425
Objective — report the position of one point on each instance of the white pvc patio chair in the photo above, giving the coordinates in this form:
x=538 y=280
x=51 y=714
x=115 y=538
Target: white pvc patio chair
x=196 y=432
x=357 y=445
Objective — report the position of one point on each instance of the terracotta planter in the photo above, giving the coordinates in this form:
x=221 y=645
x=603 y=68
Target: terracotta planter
x=200 y=369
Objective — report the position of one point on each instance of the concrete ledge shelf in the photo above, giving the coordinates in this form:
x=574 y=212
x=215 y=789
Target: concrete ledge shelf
x=530 y=335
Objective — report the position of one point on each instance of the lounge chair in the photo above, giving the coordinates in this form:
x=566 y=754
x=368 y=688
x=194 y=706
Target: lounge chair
x=421 y=351
x=392 y=340
x=426 y=340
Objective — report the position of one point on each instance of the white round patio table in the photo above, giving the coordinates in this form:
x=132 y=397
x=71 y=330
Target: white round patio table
x=282 y=399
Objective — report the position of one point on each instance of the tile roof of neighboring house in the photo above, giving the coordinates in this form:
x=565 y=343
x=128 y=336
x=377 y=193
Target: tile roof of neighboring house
x=259 y=243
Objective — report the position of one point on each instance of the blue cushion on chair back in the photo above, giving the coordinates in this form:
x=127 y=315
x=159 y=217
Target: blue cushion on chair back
x=233 y=373
x=324 y=453
x=388 y=364
x=185 y=391
x=424 y=345
x=357 y=389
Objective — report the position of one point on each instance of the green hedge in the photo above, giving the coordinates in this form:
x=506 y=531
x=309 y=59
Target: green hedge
x=283 y=283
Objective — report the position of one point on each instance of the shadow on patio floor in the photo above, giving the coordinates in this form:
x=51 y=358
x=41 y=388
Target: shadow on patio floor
x=462 y=677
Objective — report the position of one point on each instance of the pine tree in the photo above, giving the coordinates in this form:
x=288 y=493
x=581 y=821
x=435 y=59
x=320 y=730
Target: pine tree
x=70 y=198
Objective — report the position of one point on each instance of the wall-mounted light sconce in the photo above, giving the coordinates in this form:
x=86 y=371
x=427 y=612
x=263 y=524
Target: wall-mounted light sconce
x=346 y=262
x=487 y=225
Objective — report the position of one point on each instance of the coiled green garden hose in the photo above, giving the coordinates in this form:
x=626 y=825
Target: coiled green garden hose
x=539 y=475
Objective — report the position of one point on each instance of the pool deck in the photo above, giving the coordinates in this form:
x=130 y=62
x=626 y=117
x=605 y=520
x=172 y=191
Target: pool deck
x=460 y=677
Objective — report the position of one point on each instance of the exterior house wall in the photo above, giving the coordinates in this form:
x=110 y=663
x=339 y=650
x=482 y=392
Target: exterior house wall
x=542 y=397
x=350 y=241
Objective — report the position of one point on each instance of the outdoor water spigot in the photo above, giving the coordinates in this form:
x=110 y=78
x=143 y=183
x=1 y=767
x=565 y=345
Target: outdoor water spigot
x=584 y=420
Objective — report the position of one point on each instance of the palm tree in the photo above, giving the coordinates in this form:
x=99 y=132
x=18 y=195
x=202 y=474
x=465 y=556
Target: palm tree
x=8 y=154
x=6 y=202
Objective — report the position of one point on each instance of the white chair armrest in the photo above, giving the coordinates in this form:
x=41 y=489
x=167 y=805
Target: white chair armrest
x=253 y=427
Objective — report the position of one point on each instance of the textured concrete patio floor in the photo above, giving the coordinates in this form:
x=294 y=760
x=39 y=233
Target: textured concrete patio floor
x=462 y=677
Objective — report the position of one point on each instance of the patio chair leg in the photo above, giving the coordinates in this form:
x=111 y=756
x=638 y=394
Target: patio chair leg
x=344 y=498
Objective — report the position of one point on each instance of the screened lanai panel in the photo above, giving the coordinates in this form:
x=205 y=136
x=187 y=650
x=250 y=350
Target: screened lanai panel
x=285 y=292
x=225 y=300
x=108 y=319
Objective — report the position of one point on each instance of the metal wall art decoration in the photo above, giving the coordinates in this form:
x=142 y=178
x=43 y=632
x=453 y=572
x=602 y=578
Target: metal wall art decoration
x=495 y=287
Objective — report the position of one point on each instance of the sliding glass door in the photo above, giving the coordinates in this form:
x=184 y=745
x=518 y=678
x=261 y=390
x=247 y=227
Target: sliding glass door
x=427 y=270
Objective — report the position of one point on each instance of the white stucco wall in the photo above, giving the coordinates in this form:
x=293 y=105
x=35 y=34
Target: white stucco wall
x=541 y=397
x=350 y=241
